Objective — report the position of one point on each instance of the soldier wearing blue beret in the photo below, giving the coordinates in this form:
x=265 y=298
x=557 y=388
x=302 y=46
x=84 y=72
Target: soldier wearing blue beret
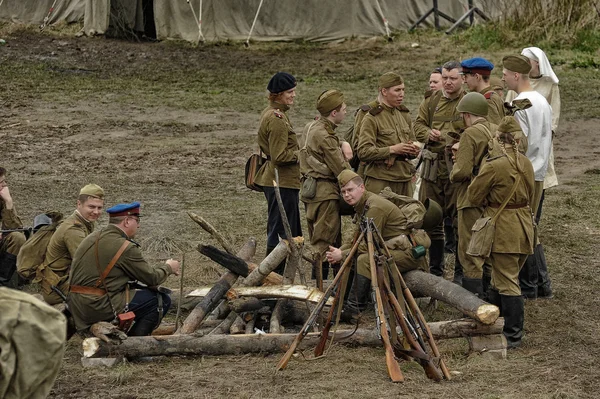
x=476 y=73
x=104 y=263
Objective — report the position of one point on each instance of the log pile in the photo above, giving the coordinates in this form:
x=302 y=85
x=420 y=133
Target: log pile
x=232 y=315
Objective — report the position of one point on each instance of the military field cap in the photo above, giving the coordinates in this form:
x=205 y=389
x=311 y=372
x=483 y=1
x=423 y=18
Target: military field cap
x=390 y=79
x=93 y=190
x=280 y=82
x=517 y=63
x=473 y=103
x=477 y=65
x=496 y=83
x=329 y=100
x=346 y=176
x=132 y=209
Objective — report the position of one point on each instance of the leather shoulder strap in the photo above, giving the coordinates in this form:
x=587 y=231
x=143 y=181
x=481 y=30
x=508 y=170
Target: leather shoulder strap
x=112 y=262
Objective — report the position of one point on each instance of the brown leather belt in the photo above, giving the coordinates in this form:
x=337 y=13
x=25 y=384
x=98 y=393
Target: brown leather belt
x=509 y=206
x=79 y=289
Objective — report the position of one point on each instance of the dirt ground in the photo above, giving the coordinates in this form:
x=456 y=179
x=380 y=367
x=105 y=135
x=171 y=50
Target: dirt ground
x=171 y=126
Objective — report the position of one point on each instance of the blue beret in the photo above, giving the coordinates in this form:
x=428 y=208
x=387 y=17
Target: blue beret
x=132 y=209
x=477 y=65
x=281 y=82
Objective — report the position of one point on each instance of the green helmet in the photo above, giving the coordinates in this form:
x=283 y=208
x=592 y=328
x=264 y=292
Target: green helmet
x=433 y=215
x=473 y=103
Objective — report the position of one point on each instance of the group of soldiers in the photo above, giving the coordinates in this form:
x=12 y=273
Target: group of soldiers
x=475 y=159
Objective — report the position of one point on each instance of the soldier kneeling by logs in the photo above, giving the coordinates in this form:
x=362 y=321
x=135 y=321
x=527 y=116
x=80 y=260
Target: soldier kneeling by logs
x=400 y=220
x=103 y=268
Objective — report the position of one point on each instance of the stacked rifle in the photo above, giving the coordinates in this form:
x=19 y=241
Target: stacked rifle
x=394 y=306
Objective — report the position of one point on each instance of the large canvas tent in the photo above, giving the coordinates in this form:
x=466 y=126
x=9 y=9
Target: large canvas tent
x=313 y=20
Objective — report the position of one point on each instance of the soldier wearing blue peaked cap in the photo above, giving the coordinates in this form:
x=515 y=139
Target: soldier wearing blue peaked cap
x=131 y=209
x=476 y=73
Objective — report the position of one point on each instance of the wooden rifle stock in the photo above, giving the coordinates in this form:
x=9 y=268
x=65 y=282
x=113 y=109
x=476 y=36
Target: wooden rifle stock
x=393 y=367
x=317 y=310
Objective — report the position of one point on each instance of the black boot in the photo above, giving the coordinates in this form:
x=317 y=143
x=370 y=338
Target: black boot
x=357 y=299
x=493 y=297
x=486 y=280
x=143 y=327
x=528 y=278
x=513 y=310
x=474 y=285
x=450 y=238
x=544 y=283
x=8 y=266
x=436 y=258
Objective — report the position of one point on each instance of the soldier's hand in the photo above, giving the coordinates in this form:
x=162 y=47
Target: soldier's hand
x=334 y=255
x=435 y=135
x=5 y=195
x=174 y=266
x=346 y=150
x=404 y=149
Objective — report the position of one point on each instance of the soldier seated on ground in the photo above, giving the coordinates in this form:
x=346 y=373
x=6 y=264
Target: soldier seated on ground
x=10 y=242
x=400 y=222
x=105 y=264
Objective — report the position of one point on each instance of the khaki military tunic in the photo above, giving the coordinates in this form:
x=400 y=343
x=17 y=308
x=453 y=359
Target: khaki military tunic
x=381 y=128
x=277 y=139
x=89 y=309
x=60 y=253
x=514 y=236
x=32 y=344
x=9 y=219
x=444 y=117
x=495 y=105
x=358 y=119
x=327 y=162
x=474 y=142
x=394 y=226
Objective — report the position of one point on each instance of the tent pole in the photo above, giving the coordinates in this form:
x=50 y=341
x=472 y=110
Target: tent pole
x=45 y=23
x=247 y=43
x=385 y=22
x=198 y=21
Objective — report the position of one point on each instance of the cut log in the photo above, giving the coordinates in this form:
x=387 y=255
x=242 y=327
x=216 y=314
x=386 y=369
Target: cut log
x=425 y=284
x=223 y=344
x=246 y=304
x=298 y=292
x=212 y=299
x=238 y=326
x=213 y=232
x=250 y=322
x=229 y=261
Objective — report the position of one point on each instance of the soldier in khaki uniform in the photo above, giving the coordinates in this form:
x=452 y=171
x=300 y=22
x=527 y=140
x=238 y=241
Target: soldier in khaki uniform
x=395 y=221
x=435 y=80
x=497 y=85
x=65 y=240
x=321 y=161
x=10 y=243
x=32 y=344
x=277 y=139
x=386 y=138
x=472 y=148
x=352 y=138
x=93 y=298
x=476 y=72
x=514 y=238
x=438 y=116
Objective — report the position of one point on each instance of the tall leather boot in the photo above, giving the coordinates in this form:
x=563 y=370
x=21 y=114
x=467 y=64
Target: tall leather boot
x=494 y=298
x=544 y=284
x=474 y=285
x=486 y=280
x=8 y=266
x=450 y=238
x=513 y=310
x=358 y=298
x=436 y=258
x=528 y=278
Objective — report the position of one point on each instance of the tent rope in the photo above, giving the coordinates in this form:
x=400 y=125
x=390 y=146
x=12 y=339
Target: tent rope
x=247 y=43
x=45 y=23
x=198 y=19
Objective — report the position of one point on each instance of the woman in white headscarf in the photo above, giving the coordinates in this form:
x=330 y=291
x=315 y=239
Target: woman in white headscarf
x=543 y=80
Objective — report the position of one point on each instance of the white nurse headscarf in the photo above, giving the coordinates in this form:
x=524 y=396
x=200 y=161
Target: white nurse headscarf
x=537 y=54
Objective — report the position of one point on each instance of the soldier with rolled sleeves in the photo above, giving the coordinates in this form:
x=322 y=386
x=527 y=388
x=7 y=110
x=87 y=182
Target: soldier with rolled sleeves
x=65 y=240
x=100 y=292
x=472 y=149
x=438 y=116
x=277 y=139
x=536 y=123
x=400 y=225
x=513 y=238
x=386 y=139
x=320 y=165
x=10 y=243
x=476 y=72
